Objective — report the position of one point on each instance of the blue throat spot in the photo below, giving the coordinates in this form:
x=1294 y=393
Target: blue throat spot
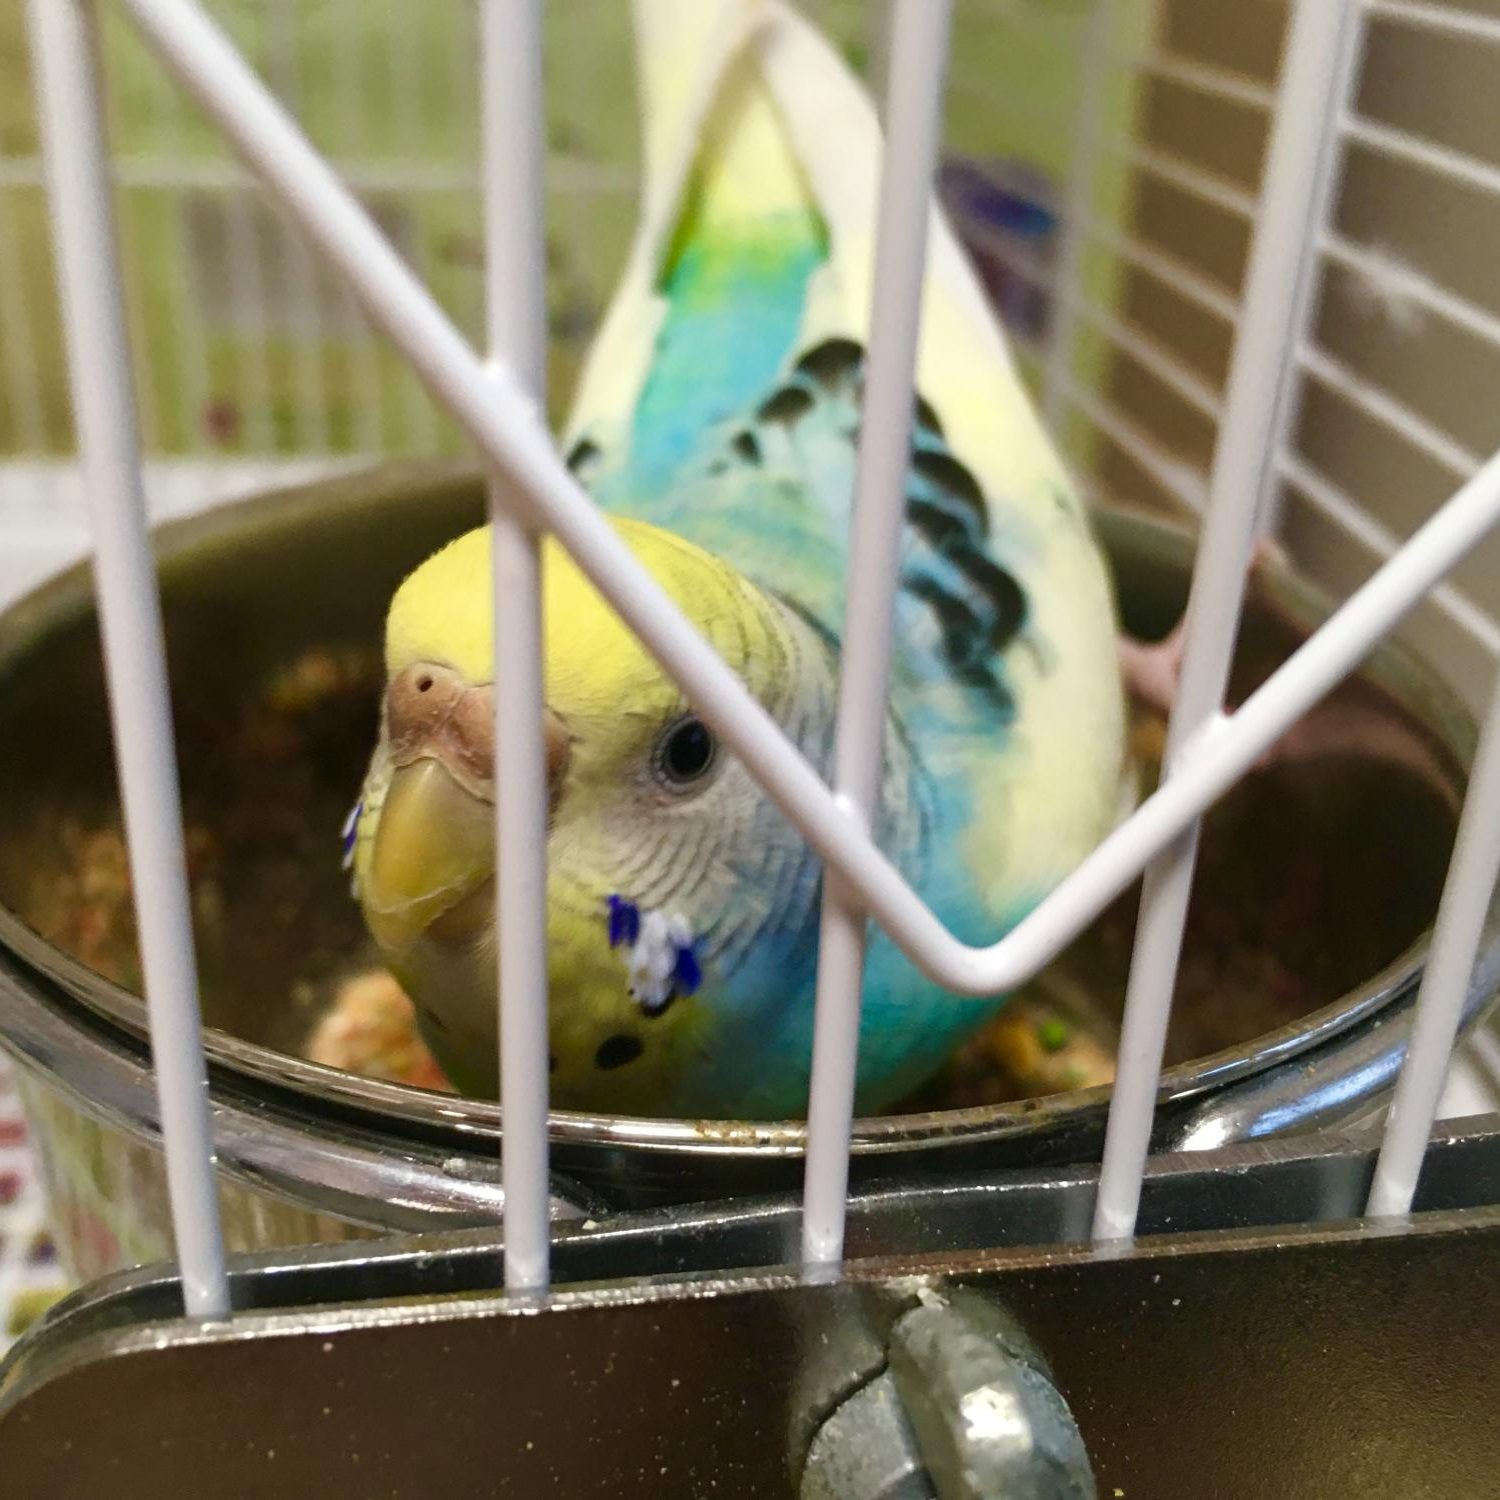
x=686 y=973
x=686 y=977
x=624 y=922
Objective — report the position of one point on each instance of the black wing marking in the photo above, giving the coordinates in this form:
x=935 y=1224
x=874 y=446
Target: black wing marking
x=979 y=607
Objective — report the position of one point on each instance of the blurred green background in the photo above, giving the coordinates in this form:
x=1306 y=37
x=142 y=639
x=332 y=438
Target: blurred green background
x=244 y=347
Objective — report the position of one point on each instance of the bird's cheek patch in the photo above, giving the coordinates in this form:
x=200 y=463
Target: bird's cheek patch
x=660 y=962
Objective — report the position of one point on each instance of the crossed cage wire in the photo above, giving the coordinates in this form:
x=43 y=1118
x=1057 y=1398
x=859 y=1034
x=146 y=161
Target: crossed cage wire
x=495 y=398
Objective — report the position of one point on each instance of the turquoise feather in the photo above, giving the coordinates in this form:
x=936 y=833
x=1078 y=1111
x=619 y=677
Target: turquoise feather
x=737 y=427
x=734 y=309
x=768 y=488
x=721 y=404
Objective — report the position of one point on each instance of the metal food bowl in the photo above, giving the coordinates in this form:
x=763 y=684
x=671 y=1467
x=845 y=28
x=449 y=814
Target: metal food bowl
x=1353 y=845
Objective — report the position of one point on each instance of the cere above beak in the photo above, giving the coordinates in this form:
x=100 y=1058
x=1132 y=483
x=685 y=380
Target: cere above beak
x=434 y=850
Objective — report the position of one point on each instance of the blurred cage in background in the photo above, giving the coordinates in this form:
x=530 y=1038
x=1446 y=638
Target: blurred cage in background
x=253 y=363
x=1102 y=163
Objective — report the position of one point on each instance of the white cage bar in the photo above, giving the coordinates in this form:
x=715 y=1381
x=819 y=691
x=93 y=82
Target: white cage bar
x=1445 y=980
x=1285 y=225
x=533 y=493
x=65 y=41
x=516 y=303
x=914 y=113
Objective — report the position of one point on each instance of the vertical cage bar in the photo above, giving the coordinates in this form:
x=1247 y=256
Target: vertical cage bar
x=199 y=388
x=249 y=275
x=515 y=203
x=65 y=45
x=1340 y=96
x=367 y=434
x=150 y=426
x=515 y=293
x=1468 y=891
x=403 y=54
x=1078 y=214
x=304 y=370
x=177 y=368
x=919 y=49
x=23 y=382
x=1285 y=236
x=300 y=375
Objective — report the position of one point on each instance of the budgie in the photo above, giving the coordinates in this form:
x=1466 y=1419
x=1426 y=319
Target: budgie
x=716 y=422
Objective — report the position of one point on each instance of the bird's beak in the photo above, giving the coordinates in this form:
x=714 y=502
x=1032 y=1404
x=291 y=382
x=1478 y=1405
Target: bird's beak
x=434 y=849
x=433 y=859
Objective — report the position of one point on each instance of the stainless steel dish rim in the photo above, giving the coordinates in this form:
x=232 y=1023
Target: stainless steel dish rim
x=68 y=596
x=326 y=1167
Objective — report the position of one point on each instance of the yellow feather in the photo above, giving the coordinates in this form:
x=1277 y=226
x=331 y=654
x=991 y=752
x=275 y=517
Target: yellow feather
x=747 y=173
x=442 y=614
x=705 y=110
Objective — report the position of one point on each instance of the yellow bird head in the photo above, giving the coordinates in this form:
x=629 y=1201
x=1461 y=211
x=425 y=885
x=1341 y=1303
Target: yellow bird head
x=641 y=799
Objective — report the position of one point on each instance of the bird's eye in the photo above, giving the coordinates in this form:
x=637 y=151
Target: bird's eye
x=687 y=751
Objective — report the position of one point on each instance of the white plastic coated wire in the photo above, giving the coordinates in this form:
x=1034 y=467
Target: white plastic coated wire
x=516 y=302
x=1314 y=52
x=1467 y=893
x=914 y=114
x=65 y=43
x=495 y=403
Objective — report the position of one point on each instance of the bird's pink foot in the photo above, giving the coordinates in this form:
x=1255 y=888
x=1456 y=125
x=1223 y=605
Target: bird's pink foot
x=1356 y=721
x=1152 y=670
